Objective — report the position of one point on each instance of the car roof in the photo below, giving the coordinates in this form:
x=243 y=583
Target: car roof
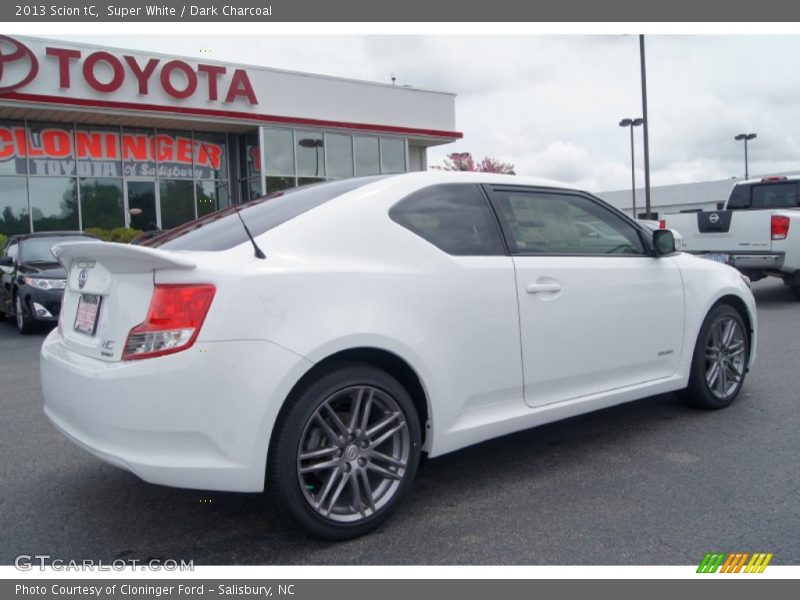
x=440 y=176
x=47 y=234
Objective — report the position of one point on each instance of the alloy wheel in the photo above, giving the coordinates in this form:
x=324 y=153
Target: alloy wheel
x=353 y=454
x=725 y=356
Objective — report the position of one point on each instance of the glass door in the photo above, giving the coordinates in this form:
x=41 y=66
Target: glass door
x=142 y=213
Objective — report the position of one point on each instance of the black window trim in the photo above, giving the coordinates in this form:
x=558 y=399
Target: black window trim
x=508 y=236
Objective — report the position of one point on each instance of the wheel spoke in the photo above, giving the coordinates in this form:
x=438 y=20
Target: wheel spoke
x=367 y=490
x=358 y=504
x=355 y=410
x=712 y=374
x=729 y=327
x=386 y=473
x=387 y=434
x=319 y=453
x=329 y=433
x=337 y=493
x=382 y=424
x=723 y=382
x=327 y=464
x=375 y=455
x=367 y=410
x=733 y=373
x=337 y=422
x=328 y=487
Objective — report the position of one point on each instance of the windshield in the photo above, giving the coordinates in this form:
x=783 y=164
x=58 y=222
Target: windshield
x=222 y=230
x=39 y=249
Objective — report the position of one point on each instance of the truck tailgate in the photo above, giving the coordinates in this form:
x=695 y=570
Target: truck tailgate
x=728 y=231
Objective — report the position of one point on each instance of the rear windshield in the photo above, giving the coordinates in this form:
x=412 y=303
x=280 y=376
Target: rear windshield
x=223 y=229
x=38 y=249
x=765 y=196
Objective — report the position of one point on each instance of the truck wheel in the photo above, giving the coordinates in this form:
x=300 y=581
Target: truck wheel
x=720 y=360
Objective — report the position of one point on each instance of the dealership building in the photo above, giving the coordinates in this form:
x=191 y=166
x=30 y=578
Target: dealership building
x=100 y=137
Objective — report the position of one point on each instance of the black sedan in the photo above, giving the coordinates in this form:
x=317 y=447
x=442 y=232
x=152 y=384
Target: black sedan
x=32 y=282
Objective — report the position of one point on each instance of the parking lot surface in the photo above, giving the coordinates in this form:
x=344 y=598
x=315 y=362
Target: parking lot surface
x=651 y=482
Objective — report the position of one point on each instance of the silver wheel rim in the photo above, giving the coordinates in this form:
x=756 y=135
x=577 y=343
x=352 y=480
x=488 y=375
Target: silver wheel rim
x=19 y=313
x=353 y=454
x=725 y=356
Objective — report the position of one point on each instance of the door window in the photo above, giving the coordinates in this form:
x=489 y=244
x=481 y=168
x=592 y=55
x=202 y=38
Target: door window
x=553 y=223
x=12 y=250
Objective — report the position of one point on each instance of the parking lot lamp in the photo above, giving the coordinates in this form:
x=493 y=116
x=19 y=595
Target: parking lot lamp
x=746 y=137
x=630 y=124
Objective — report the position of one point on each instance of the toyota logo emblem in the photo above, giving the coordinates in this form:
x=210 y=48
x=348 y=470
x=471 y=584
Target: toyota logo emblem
x=14 y=72
x=713 y=218
x=82 y=277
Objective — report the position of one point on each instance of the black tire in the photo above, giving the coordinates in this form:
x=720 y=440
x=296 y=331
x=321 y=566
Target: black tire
x=356 y=473
x=700 y=393
x=796 y=291
x=25 y=324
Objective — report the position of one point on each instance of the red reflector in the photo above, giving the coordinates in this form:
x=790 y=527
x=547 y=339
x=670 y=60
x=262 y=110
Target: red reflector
x=780 y=227
x=662 y=224
x=173 y=321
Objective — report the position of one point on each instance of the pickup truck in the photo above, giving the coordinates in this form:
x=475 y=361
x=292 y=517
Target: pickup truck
x=758 y=232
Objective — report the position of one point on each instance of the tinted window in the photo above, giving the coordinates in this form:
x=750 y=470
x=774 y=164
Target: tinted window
x=12 y=249
x=740 y=197
x=223 y=229
x=550 y=223
x=774 y=195
x=455 y=218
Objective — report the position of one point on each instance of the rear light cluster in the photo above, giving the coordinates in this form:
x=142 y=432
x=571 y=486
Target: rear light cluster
x=779 y=227
x=173 y=321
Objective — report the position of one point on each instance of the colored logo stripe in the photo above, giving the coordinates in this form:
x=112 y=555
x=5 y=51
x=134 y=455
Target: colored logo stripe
x=734 y=562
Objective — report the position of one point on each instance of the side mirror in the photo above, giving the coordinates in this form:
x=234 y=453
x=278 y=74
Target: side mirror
x=663 y=242
x=7 y=261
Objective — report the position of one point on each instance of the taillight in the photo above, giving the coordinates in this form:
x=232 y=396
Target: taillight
x=779 y=227
x=662 y=224
x=173 y=321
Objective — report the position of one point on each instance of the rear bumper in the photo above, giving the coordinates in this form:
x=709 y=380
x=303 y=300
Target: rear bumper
x=197 y=419
x=769 y=262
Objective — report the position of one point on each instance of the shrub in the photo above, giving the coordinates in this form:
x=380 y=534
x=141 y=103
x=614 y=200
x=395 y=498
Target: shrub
x=123 y=235
x=2 y=240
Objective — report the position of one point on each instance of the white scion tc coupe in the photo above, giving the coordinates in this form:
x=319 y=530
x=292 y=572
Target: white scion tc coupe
x=372 y=319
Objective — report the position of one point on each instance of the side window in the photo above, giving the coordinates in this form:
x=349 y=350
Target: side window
x=455 y=218
x=740 y=197
x=556 y=223
x=12 y=249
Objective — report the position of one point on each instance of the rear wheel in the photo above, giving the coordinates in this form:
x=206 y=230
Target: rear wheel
x=720 y=360
x=345 y=452
x=25 y=324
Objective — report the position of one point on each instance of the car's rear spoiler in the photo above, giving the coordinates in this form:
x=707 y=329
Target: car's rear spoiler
x=119 y=258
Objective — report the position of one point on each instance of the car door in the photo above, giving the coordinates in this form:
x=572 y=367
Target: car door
x=597 y=311
x=7 y=274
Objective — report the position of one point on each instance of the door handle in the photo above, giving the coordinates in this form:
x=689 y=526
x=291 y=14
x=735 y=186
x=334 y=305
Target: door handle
x=543 y=288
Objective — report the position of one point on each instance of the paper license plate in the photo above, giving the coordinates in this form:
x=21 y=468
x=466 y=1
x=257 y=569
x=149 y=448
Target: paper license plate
x=720 y=258
x=88 y=308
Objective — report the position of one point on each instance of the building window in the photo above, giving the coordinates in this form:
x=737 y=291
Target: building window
x=367 y=155
x=177 y=202
x=102 y=203
x=14 y=205
x=54 y=203
x=310 y=154
x=339 y=155
x=393 y=156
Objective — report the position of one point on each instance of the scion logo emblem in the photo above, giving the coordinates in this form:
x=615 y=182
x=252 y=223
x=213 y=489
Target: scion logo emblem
x=82 y=277
x=13 y=55
x=713 y=218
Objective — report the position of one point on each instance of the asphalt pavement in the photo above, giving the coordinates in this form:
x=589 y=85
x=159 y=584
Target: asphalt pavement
x=651 y=482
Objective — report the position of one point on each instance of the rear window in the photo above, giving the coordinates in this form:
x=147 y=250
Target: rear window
x=222 y=230
x=765 y=196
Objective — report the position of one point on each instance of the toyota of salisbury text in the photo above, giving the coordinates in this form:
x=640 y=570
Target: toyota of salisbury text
x=369 y=320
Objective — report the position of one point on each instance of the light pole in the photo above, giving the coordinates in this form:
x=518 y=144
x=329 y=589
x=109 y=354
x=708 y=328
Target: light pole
x=646 y=129
x=746 y=137
x=630 y=124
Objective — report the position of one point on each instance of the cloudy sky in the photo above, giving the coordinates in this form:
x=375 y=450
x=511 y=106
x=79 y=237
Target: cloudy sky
x=551 y=104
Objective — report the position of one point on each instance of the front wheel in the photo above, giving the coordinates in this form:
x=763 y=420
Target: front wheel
x=796 y=291
x=720 y=360
x=345 y=452
x=25 y=324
